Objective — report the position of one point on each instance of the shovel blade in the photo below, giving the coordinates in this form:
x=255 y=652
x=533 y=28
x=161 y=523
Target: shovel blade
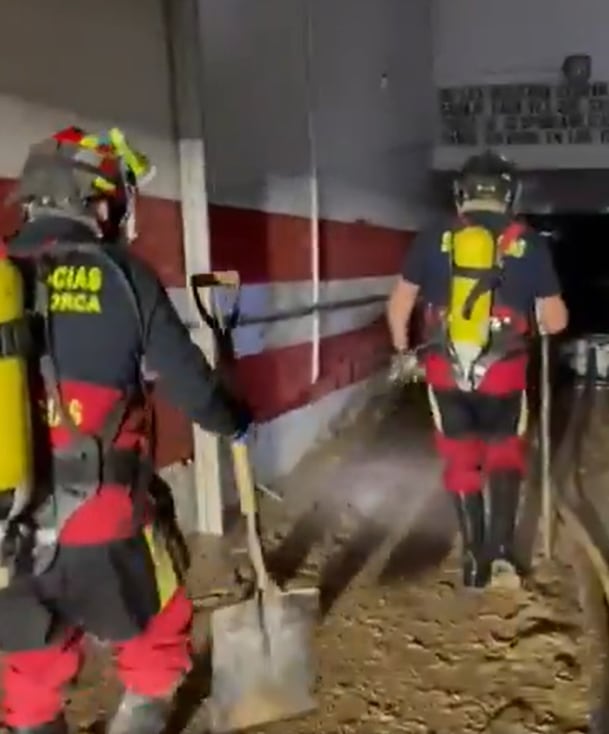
x=262 y=661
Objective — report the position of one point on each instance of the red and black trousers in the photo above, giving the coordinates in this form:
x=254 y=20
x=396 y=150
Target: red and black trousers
x=480 y=432
x=123 y=592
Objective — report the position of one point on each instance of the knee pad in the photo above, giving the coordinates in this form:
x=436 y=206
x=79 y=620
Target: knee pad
x=507 y=454
x=463 y=459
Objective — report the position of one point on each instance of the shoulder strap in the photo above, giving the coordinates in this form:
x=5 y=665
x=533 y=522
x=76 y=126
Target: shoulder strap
x=492 y=280
x=511 y=233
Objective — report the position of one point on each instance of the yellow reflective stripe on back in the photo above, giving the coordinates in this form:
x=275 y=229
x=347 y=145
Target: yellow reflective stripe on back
x=523 y=418
x=435 y=409
x=136 y=161
x=164 y=571
x=447 y=241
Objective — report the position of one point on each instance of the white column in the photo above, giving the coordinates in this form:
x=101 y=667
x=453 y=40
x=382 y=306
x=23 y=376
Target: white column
x=185 y=57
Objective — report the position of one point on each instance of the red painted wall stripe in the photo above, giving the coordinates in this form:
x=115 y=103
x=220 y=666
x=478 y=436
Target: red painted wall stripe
x=279 y=381
x=9 y=216
x=266 y=247
x=357 y=250
x=159 y=223
x=160 y=228
x=263 y=247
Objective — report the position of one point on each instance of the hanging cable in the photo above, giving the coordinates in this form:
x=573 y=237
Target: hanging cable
x=313 y=193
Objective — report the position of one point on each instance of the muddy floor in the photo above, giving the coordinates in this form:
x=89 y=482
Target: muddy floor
x=401 y=647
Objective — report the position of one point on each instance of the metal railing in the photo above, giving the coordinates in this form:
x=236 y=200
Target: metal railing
x=300 y=312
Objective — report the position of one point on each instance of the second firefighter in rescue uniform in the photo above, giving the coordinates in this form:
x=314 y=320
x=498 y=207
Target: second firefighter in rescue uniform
x=482 y=277
x=100 y=564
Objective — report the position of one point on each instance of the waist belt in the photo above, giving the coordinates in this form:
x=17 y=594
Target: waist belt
x=76 y=473
x=115 y=466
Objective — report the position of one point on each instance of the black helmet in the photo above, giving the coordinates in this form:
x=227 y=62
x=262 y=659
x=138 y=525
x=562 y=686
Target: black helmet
x=64 y=176
x=487 y=176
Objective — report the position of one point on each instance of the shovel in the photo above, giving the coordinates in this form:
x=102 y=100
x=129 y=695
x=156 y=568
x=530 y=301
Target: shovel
x=545 y=449
x=262 y=661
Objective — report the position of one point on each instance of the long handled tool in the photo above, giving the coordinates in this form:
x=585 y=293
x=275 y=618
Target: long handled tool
x=547 y=515
x=262 y=662
x=222 y=326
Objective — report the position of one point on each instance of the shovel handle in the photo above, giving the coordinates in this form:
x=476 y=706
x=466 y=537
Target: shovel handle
x=247 y=496
x=244 y=478
x=545 y=449
x=225 y=278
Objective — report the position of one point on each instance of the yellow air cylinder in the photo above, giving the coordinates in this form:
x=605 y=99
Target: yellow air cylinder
x=15 y=405
x=473 y=255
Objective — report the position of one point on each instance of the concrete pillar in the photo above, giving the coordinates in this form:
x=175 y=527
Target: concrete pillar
x=185 y=58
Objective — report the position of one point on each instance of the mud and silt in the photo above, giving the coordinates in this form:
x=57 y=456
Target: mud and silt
x=401 y=647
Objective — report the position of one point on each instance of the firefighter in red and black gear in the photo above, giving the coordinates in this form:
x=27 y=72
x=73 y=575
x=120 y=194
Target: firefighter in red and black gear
x=481 y=277
x=94 y=562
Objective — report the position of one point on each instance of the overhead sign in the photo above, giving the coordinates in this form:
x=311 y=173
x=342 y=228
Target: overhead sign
x=524 y=114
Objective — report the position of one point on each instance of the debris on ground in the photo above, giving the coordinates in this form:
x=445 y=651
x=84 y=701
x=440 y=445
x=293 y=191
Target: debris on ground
x=401 y=647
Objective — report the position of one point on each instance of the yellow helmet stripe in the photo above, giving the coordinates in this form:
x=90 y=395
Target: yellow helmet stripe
x=137 y=162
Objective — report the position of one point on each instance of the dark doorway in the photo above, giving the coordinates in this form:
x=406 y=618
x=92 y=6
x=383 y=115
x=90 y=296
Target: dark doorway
x=580 y=246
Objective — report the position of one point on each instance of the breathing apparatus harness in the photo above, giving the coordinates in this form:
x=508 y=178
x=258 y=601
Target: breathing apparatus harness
x=502 y=336
x=60 y=178
x=472 y=331
x=471 y=283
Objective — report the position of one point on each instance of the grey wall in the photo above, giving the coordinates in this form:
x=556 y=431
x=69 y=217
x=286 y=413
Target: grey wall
x=86 y=62
x=370 y=91
x=498 y=42
x=479 y=42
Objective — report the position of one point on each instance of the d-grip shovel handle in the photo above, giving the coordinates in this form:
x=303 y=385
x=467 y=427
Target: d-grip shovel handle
x=247 y=497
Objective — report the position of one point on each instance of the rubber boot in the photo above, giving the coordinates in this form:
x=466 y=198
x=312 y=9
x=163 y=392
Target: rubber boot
x=504 y=488
x=59 y=726
x=470 y=513
x=140 y=715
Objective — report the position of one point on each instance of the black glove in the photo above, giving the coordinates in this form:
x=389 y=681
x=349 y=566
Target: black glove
x=243 y=420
